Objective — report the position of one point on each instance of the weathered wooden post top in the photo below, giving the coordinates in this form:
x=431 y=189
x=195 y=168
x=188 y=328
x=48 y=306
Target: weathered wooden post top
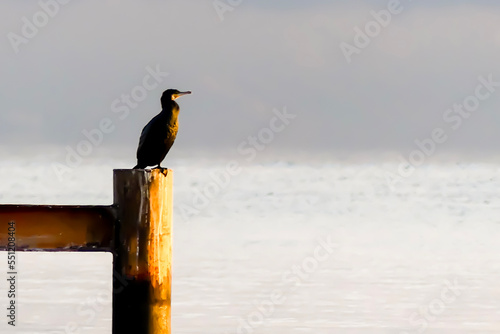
x=137 y=229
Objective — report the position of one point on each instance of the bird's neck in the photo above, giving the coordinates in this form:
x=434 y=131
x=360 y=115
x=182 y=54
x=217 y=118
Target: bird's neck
x=171 y=113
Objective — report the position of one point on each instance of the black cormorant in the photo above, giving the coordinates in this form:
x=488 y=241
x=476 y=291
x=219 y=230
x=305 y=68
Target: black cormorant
x=159 y=134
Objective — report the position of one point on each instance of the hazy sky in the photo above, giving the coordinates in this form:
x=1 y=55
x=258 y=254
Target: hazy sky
x=263 y=55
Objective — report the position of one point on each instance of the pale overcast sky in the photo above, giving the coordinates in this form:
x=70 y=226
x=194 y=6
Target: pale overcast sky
x=262 y=55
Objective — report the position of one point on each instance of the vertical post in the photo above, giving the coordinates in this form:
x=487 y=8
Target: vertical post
x=143 y=251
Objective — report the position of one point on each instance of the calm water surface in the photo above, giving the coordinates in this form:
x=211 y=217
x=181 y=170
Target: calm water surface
x=295 y=248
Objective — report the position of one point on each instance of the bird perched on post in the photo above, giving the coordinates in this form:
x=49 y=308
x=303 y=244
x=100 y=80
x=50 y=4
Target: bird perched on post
x=159 y=134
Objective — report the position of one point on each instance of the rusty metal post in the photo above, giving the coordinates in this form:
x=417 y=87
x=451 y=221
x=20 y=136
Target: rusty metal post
x=143 y=251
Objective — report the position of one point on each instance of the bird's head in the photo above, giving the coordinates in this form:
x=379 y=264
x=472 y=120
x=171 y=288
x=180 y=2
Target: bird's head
x=172 y=94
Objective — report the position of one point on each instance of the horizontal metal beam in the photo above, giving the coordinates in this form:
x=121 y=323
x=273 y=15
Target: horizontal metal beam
x=50 y=228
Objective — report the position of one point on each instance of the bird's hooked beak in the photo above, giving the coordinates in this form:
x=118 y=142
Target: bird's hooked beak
x=176 y=96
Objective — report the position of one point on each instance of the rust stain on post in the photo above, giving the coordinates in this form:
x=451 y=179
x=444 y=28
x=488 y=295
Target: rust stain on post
x=144 y=247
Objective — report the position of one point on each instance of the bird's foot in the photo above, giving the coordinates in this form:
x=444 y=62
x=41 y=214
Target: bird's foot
x=164 y=171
